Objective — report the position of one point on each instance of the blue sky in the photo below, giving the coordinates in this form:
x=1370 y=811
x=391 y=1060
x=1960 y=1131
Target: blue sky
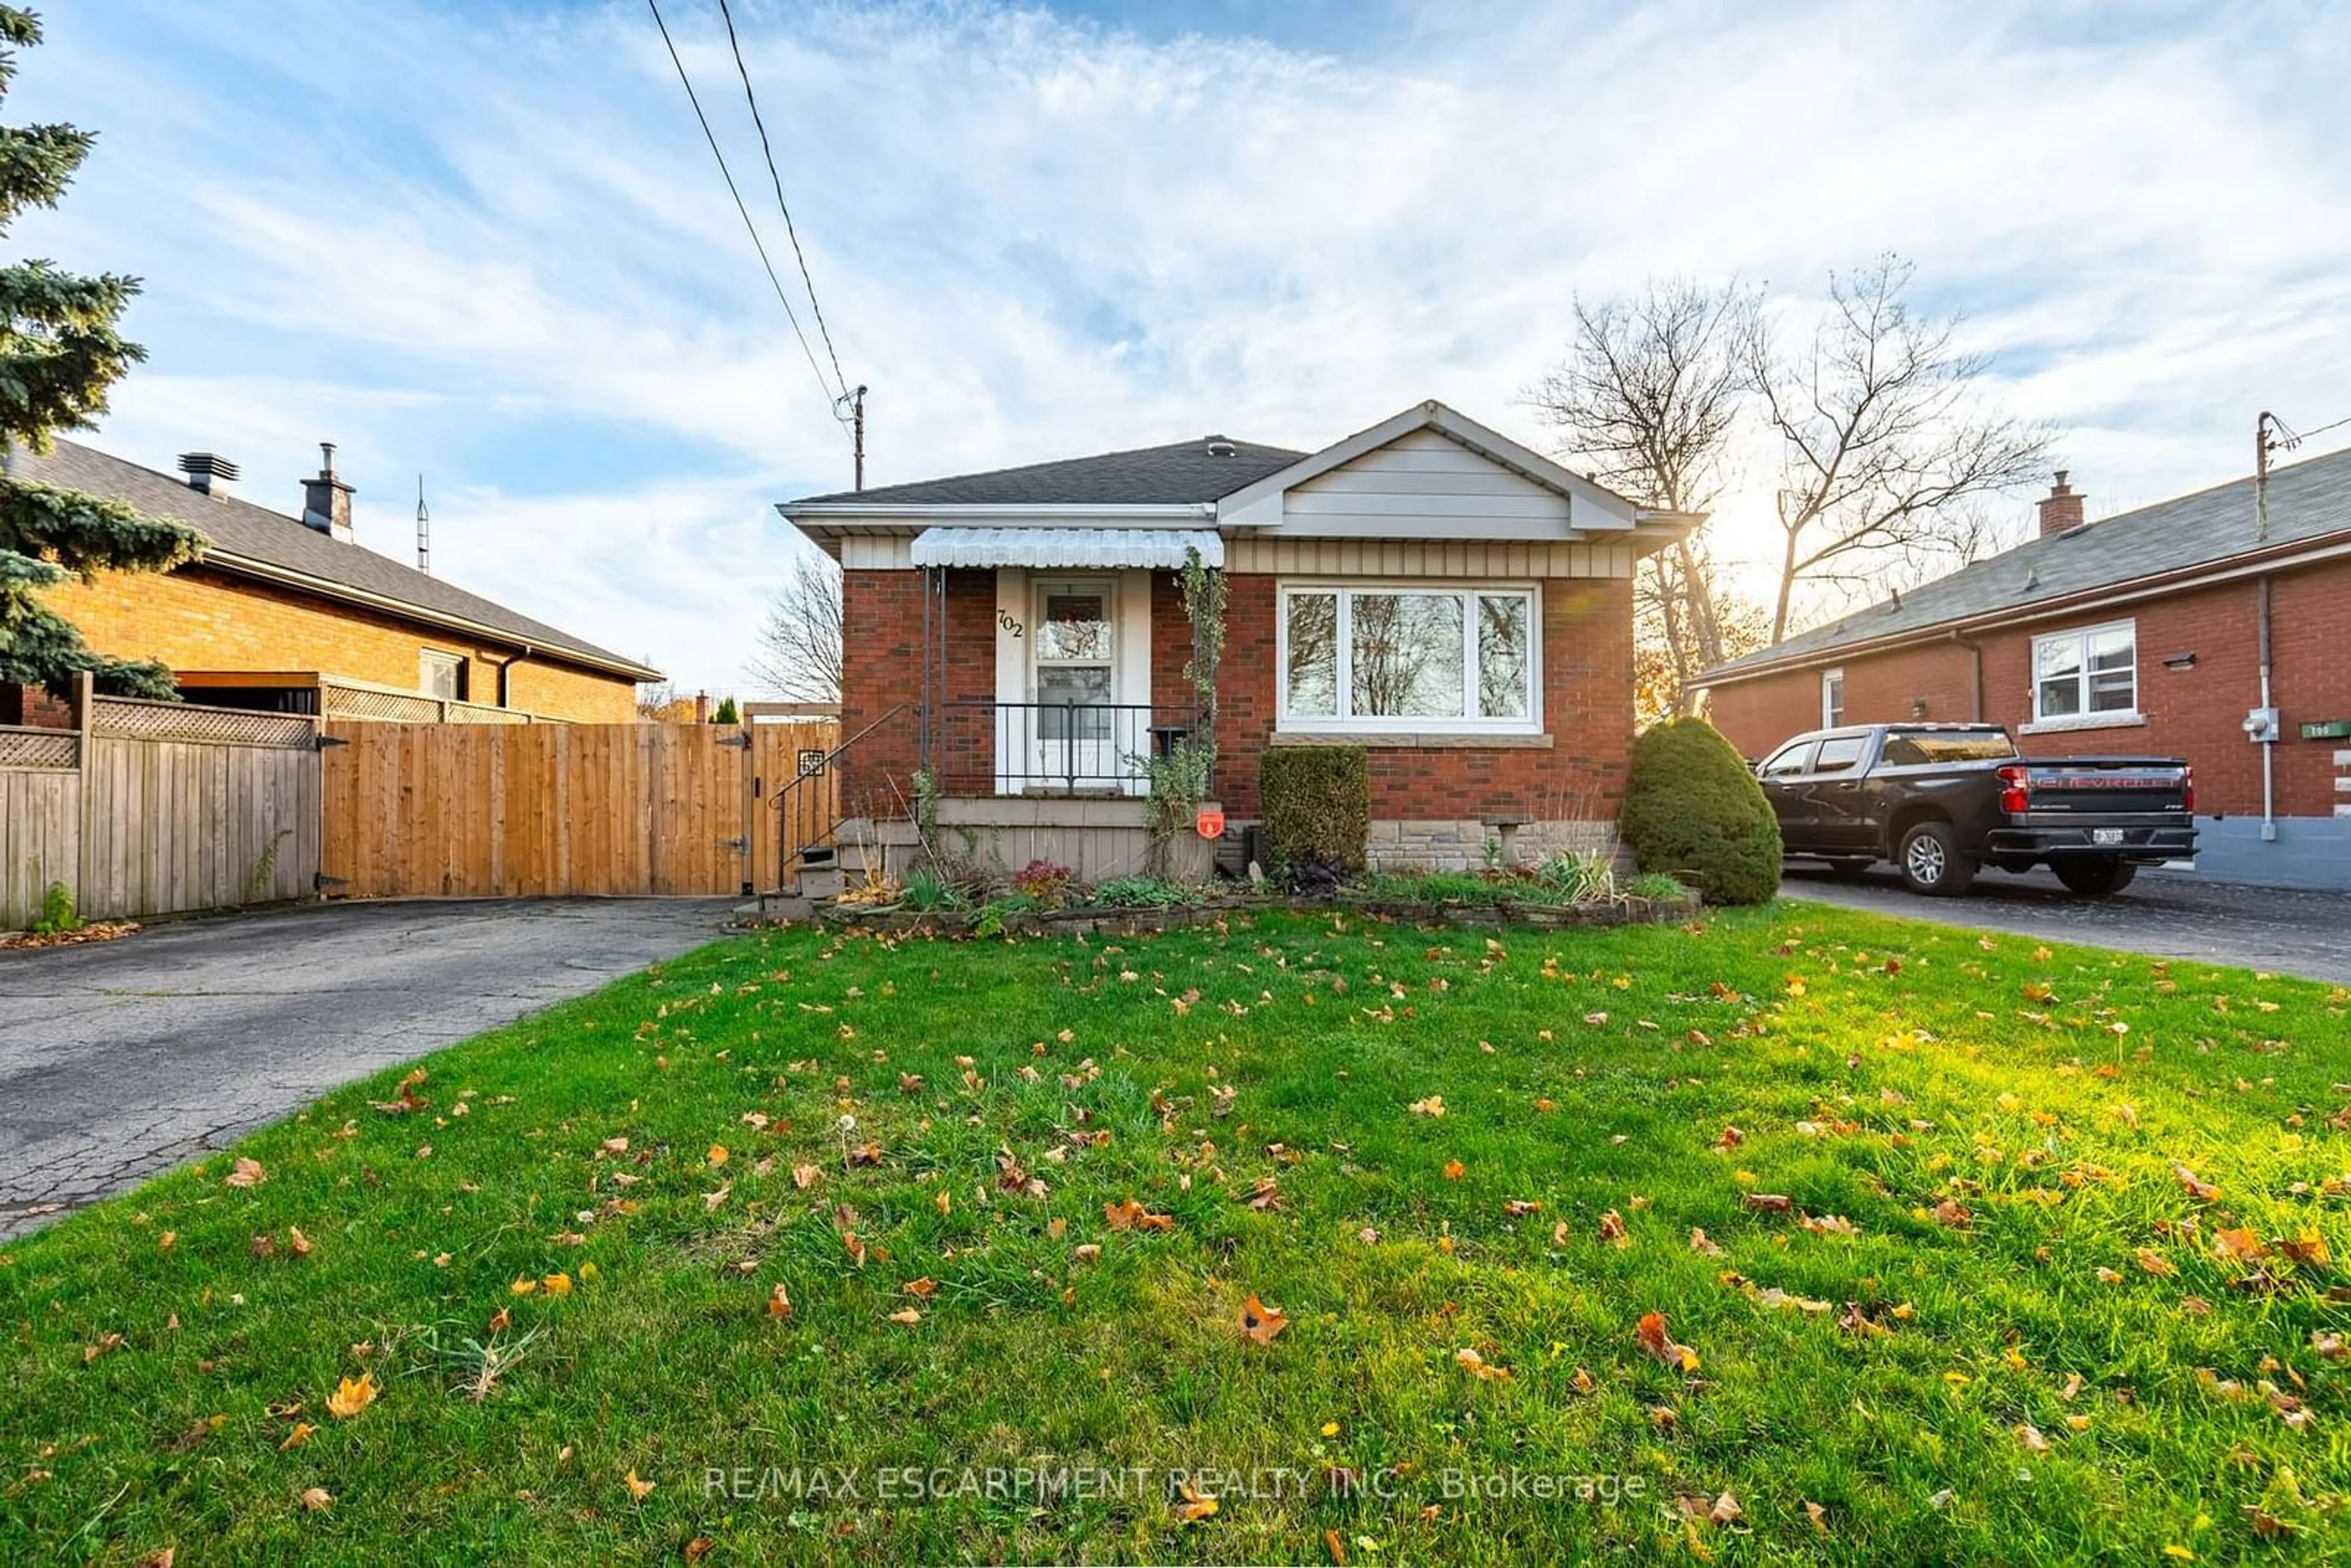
x=487 y=242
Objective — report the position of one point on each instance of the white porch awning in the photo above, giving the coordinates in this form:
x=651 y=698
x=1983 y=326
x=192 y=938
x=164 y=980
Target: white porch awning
x=1066 y=547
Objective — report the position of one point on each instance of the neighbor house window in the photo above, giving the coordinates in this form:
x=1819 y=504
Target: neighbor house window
x=1409 y=658
x=440 y=674
x=1831 y=698
x=2085 y=674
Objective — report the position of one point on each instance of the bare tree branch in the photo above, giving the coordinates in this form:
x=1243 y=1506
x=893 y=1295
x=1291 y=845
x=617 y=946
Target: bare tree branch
x=1884 y=445
x=798 y=657
x=1647 y=402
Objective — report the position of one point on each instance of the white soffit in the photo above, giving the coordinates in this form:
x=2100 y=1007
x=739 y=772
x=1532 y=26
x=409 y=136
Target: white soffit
x=1066 y=547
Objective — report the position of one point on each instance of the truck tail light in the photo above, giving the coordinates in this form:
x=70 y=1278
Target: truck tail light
x=2012 y=797
x=2187 y=790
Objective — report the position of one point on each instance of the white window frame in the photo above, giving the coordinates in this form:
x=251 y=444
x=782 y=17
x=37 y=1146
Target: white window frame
x=1832 y=710
x=2110 y=718
x=441 y=659
x=1469 y=722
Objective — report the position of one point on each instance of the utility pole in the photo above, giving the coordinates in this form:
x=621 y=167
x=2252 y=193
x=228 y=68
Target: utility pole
x=424 y=531
x=2264 y=443
x=857 y=425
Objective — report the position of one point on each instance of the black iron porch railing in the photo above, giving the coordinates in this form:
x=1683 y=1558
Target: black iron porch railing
x=981 y=746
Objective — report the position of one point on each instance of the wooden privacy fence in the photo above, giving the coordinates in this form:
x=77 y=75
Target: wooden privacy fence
x=148 y=808
x=562 y=809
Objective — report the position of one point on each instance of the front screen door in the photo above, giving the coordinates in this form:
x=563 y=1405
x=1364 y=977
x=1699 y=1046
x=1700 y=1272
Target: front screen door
x=1075 y=729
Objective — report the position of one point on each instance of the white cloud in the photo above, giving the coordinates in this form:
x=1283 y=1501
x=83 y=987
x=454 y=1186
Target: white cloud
x=495 y=250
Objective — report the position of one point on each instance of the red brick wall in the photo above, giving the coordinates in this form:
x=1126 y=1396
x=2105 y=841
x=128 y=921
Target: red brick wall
x=1758 y=715
x=1587 y=649
x=1587 y=658
x=2193 y=712
x=881 y=631
x=34 y=705
x=1171 y=646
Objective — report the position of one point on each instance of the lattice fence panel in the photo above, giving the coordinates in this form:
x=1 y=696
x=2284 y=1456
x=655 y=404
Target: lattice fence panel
x=383 y=708
x=474 y=712
x=132 y=719
x=38 y=748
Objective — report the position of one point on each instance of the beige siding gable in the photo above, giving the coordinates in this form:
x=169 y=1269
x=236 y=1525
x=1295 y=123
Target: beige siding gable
x=1420 y=484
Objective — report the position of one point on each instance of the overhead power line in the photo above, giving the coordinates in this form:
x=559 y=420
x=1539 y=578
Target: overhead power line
x=768 y=150
x=782 y=299
x=2294 y=438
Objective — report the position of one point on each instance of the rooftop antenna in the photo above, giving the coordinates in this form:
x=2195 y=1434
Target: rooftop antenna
x=424 y=531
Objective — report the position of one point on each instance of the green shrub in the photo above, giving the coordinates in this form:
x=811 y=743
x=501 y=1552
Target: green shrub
x=1585 y=878
x=927 y=891
x=1317 y=801
x=727 y=711
x=57 y=915
x=1691 y=807
x=1656 y=885
x=1441 y=887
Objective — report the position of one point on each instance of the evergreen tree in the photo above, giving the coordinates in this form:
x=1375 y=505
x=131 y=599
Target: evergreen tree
x=60 y=351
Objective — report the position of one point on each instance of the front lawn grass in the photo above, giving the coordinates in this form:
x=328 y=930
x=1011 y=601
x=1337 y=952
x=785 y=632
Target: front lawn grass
x=2053 y=1279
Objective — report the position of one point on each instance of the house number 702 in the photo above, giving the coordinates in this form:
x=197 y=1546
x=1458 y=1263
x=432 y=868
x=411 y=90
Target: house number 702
x=1004 y=619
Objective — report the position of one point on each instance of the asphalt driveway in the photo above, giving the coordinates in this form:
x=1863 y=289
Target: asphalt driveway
x=118 y=1060
x=2284 y=930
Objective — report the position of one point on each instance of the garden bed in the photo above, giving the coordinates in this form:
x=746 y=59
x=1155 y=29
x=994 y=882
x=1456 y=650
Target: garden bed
x=1117 y=920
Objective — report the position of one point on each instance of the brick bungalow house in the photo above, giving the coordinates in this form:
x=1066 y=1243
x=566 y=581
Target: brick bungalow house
x=288 y=614
x=1428 y=588
x=2192 y=628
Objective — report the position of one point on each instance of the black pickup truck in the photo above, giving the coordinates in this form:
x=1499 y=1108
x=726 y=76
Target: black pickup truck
x=1941 y=801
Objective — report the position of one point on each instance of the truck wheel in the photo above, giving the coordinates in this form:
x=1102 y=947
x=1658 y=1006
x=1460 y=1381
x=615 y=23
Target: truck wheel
x=1931 y=861
x=2094 y=876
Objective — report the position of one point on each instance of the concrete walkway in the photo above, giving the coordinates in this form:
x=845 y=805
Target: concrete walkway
x=121 y=1059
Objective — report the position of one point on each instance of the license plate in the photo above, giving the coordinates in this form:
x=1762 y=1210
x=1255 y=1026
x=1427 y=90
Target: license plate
x=2105 y=835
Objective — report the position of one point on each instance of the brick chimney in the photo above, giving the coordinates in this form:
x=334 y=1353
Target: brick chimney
x=327 y=500
x=2061 y=510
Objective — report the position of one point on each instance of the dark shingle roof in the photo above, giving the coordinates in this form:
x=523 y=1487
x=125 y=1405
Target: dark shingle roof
x=1183 y=472
x=2306 y=501
x=239 y=528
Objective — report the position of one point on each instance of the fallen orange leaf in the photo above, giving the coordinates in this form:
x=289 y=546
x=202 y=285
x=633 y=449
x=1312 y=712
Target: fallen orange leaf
x=1651 y=1332
x=1261 y=1322
x=351 y=1395
x=1477 y=1366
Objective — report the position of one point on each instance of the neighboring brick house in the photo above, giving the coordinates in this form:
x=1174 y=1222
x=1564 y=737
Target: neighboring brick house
x=289 y=613
x=2141 y=633
x=1428 y=588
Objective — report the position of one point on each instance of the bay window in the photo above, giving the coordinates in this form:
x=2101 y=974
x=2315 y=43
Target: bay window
x=1409 y=658
x=2086 y=674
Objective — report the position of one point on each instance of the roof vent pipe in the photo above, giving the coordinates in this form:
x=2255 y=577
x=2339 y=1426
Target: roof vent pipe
x=208 y=473
x=1220 y=447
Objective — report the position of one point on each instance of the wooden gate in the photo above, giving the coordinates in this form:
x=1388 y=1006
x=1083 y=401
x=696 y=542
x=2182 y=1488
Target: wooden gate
x=786 y=815
x=553 y=809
